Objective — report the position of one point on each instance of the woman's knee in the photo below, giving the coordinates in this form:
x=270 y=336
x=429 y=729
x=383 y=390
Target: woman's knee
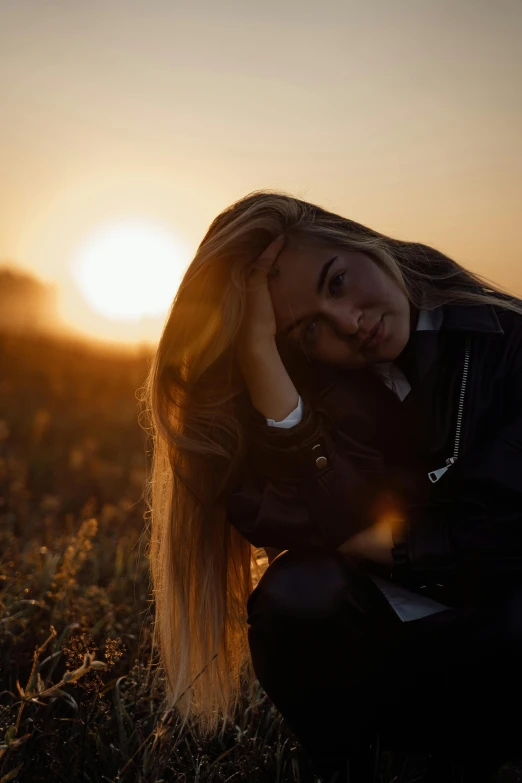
x=310 y=584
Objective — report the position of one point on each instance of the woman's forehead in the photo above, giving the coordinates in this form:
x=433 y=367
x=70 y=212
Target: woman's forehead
x=298 y=269
x=303 y=251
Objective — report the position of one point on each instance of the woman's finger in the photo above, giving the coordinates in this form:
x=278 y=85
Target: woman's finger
x=267 y=258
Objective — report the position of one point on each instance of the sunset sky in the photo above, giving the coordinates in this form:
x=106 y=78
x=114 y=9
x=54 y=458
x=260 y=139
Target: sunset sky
x=151 y=116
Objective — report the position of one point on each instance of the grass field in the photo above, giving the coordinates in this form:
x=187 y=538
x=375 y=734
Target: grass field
x=79 y=699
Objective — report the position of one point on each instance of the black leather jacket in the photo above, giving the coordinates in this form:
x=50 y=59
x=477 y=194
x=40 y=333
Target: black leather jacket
x=358 y=449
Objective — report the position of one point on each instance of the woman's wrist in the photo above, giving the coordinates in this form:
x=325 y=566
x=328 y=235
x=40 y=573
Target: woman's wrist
x=375 y=542
x=272 y=391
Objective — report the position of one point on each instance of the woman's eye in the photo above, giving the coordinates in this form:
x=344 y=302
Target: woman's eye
x=335 y=282
x=309 y=330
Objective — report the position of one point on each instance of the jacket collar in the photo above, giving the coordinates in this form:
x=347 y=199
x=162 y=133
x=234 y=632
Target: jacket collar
x=471 y=318
x=478 y=318
x=425 y=344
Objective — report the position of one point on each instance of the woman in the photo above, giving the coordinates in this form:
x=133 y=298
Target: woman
x=351 y=401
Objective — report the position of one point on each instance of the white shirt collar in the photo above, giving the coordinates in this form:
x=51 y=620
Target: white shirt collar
x=392 y=375
x=430 y=320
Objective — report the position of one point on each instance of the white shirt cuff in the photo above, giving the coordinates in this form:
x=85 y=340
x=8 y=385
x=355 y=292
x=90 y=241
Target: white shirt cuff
x=291 y=420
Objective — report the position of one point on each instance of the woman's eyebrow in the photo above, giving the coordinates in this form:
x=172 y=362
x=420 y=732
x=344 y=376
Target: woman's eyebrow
x=319 y=287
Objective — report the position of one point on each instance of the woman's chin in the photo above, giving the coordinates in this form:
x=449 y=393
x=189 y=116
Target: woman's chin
x=394 y=345
x=392 y=353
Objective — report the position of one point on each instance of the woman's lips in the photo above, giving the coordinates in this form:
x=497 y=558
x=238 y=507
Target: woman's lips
x=377 y=336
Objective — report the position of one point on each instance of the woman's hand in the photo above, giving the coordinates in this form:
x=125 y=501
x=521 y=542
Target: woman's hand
x=258 y=329
x=375 y=542
x=271 y=389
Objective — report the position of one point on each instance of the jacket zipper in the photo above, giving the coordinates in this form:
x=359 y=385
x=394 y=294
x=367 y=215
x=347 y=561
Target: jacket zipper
x=435 y=475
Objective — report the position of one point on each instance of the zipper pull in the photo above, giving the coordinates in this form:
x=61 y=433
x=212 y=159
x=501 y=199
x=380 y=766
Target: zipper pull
x=435 y=475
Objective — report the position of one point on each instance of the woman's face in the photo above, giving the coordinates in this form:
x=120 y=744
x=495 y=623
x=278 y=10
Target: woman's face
x=328 y=299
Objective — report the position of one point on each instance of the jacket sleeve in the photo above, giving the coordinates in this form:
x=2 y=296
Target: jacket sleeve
x=477 y=519
x=312 y=485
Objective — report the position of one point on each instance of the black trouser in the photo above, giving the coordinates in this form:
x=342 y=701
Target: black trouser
x=337 y=662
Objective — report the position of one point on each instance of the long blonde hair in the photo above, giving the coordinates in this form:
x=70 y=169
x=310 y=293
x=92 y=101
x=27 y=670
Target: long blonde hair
x=202 y=568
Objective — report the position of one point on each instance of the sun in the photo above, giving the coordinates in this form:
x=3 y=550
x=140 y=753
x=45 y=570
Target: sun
x=129 y=270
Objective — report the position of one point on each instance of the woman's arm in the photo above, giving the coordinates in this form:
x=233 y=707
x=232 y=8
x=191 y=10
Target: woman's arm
x=271 y=389
x=313 y=485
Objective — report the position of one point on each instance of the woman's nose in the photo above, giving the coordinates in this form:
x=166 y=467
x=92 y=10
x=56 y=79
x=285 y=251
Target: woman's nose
x=346 y=321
